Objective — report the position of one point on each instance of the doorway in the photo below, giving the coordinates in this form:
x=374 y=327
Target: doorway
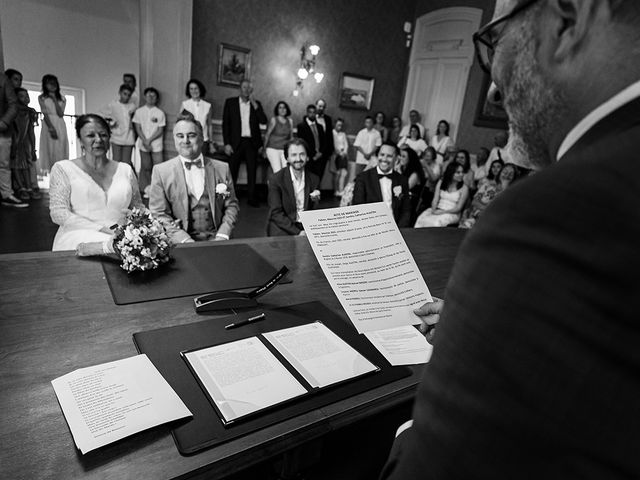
x=441 y=57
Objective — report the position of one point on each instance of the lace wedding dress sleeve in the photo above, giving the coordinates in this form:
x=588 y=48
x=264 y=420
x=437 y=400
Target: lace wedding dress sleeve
x=60 y=202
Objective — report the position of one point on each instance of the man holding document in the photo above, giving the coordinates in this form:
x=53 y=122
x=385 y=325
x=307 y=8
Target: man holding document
x=535 y=371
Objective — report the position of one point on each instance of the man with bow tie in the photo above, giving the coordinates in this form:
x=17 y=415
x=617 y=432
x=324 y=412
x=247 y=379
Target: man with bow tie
x=383 y=184
x=192 y=195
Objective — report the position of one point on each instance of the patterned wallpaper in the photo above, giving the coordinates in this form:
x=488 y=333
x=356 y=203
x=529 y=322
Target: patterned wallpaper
x=364 y=37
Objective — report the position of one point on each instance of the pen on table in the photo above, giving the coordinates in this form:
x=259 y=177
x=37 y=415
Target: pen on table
x=257 y=318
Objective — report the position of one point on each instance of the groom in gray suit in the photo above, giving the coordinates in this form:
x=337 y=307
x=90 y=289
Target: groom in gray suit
x=193 y=196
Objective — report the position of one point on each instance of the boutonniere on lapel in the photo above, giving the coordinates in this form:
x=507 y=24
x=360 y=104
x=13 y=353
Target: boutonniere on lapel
x=222 y=191
x=315 y=196
x=397 y=191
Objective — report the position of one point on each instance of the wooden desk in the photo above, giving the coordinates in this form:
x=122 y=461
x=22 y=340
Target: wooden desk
x=57 y=315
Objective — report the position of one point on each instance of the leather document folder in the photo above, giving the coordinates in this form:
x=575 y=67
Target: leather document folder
x=205 y=429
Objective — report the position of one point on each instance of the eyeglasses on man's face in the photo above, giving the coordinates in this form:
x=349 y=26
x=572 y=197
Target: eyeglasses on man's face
x=485 y=42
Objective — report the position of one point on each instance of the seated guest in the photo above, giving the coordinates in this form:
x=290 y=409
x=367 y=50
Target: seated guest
x=291 y=191
x=462 y=157
x=192 y=195
x=492 y=174
x=90 y=193
x=413 y=141
x=431 y=164
x=487 y=192
x=409 y=166
x=279 y=132
x=441 y=140
x=480 y=165
x=500 y=151
x=383 y=184
x=448 y=201
x=414 y=119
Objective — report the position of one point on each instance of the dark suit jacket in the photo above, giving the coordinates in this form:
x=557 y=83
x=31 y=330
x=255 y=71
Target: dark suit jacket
x=305 y=133
x=282 y=202
x=328 y=135
x=231 y=123
x=367 y=190
x=535 y=371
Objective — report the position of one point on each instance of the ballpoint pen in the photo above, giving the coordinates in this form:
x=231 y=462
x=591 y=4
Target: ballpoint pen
x=257 y=318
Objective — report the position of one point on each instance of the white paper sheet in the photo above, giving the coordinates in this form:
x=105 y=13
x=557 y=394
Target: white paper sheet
x=320 y=355
x=243 y=377
x=108 y=402
x=401 y=345
x=368 y=265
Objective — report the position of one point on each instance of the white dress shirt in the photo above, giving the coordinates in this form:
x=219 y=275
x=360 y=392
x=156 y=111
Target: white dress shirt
x=385 y=187
x=368 y=140
x=194 y=177
x=625 y=96
x=298 y=191
x=245 y=113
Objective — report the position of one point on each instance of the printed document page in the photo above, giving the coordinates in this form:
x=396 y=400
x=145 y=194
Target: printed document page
x=320 y=355
x=401 y=345
x=368 y=265
x=243 y=377
x=108 y=402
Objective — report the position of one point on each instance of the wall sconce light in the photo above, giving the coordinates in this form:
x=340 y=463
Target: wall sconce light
x=307 y=67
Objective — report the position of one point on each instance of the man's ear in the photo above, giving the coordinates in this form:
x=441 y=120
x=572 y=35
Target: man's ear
x=570 y=23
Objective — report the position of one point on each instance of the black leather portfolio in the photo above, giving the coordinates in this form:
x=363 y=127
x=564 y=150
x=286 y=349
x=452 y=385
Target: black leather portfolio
x=205 y=429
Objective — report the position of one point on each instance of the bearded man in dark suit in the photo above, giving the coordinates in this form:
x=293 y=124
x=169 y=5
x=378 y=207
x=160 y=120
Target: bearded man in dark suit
x=292 y=190
x=383 y=184
x=535 y=370
x=241 y=119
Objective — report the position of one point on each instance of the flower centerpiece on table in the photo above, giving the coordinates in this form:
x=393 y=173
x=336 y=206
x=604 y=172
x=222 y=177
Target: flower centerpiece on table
x=141 y=242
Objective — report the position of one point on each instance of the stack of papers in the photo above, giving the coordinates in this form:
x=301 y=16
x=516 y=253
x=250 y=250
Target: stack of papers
x=108 y=402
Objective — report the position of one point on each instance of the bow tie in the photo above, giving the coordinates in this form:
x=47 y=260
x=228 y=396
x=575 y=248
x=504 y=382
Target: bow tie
x=195 y=163
x=384 y=175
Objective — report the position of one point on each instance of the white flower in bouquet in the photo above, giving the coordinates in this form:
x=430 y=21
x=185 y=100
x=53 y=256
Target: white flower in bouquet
x=142 y=242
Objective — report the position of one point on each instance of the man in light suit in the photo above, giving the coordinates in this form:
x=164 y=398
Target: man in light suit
x=241 y=119
x=535 y=371
x=383 y=184
x=192 y=195
x=291 y=191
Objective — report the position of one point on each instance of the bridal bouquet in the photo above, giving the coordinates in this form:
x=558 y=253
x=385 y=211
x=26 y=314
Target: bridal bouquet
x=142 y=241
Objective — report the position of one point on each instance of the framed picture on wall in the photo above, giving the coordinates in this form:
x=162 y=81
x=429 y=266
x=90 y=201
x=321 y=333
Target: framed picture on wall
x=489 y=114
x=234 y=64
x=356 y=91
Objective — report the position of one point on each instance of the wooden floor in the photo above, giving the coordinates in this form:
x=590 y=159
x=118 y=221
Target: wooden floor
x=356 y=452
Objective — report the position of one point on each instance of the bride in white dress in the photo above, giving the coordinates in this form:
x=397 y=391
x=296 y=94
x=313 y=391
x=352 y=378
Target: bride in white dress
x=91 y=193
x=448 y=201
